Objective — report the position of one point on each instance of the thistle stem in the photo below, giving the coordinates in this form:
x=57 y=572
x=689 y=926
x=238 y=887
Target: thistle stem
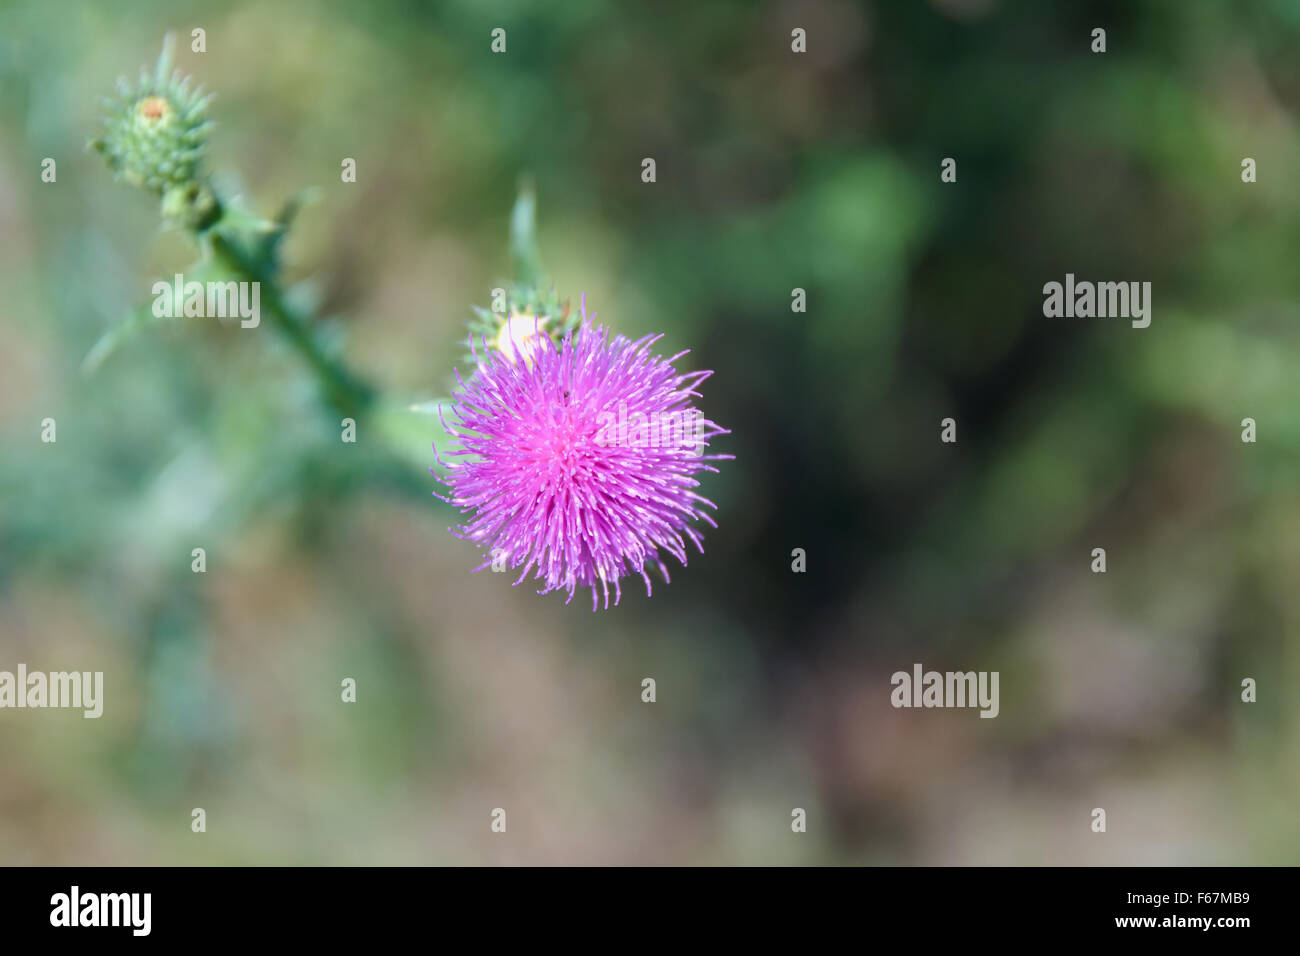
x=345 y=392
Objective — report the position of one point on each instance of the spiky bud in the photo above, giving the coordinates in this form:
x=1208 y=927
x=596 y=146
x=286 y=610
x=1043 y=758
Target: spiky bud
x=527 y=310
x=155 y=136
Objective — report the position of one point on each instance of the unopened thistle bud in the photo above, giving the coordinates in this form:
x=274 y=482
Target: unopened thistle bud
x=529 y=312
x=519 y=335
x=155 y=136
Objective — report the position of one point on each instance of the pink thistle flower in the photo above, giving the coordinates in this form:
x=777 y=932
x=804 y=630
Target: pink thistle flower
x=577 y=461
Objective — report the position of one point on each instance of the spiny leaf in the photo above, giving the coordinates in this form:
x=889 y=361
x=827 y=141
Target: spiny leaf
x=136 y=322
x=140 y=319
x=523 y=237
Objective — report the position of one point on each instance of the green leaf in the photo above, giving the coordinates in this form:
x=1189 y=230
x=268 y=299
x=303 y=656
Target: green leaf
x=412 y=430
x=269 y=249
x=523 y=237
x=238 y=224
x=136 y=322
x=140 y=319
x=428 y=408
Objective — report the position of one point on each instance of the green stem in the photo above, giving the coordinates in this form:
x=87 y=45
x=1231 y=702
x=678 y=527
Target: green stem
x=345 y=392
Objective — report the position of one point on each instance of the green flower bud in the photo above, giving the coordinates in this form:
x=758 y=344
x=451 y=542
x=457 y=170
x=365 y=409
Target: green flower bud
x=156 y=131
x=528 y=310
x=192 y=205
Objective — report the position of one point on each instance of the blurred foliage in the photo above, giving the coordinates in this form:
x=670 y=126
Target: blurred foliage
x=775 y=171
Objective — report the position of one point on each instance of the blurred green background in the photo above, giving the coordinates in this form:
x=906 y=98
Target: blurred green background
x=775 y=171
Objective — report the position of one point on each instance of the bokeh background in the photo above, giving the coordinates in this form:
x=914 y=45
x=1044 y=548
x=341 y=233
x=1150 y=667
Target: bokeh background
x=775 y=171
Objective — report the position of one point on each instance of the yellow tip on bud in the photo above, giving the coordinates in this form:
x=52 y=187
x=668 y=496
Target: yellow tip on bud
x=520 y=334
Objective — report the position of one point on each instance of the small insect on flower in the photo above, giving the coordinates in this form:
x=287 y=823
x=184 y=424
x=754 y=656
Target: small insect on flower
x=578 y=464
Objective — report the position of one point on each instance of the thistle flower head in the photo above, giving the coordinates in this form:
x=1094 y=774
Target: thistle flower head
x=155 y=135
x=579 y=463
